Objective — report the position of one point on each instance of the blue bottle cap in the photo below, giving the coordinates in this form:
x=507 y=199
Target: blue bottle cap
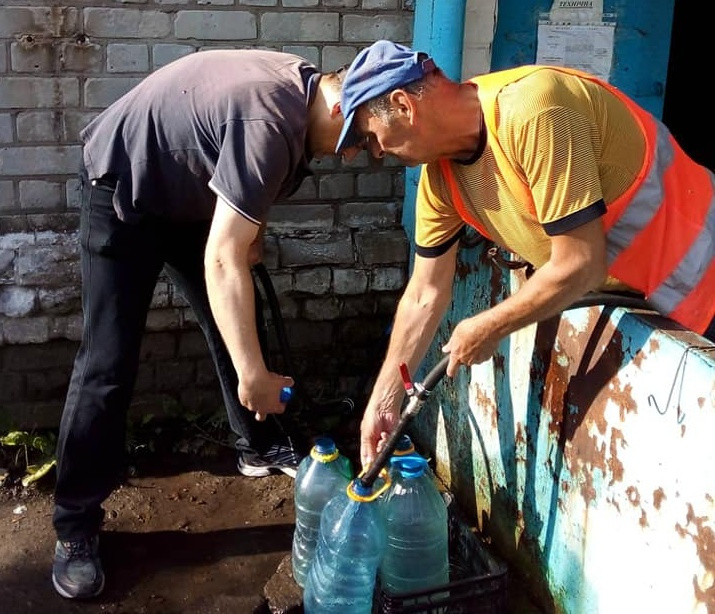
x=286 y=394
x=324 y=445
x=404 y=445
x=411 y=466
x=361 y=489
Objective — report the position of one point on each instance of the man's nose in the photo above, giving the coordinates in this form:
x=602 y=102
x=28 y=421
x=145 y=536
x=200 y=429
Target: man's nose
x=375 y=150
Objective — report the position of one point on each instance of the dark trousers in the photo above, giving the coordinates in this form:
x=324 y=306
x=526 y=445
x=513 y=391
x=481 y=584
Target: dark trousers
x=121 y=264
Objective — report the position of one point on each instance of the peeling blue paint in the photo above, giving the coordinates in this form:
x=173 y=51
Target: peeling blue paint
x=583 y=450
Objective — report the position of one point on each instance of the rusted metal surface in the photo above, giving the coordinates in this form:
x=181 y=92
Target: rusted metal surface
x=584 y=450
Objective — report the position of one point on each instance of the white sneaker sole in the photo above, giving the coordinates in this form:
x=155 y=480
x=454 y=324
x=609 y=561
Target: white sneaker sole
x=261 y=472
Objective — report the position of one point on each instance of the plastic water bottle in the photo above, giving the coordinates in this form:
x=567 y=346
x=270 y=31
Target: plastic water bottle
x=321 y=475
x=404 y=446
x=417 y=554
x=350 y=548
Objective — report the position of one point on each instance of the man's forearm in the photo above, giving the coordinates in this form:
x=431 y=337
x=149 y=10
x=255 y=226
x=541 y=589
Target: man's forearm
x=231 y=295
x=414 y=328
x=540 y=298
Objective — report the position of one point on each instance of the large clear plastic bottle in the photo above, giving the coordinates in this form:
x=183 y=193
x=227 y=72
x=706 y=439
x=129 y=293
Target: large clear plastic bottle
x=417 y=554
x=350 y=548
x=404 y=446
x=321 y=475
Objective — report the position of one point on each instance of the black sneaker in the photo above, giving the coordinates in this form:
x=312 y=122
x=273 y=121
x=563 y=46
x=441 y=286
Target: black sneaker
x=279 y=457
x=76 y=569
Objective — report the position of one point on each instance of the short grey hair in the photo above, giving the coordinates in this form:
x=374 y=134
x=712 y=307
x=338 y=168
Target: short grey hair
x=381 y=107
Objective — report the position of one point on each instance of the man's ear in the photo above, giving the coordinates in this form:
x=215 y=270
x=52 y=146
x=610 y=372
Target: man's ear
x=335 y=110
x=403 y=103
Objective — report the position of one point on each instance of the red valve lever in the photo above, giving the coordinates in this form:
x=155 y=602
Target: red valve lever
x=406 y=379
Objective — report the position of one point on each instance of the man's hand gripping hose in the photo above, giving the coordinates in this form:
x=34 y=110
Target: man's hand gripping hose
x=417 y=394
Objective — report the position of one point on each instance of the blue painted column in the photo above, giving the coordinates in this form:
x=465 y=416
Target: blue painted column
x=438 y=31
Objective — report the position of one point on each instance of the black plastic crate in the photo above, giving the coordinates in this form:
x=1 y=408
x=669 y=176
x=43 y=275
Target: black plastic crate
x=477 y=579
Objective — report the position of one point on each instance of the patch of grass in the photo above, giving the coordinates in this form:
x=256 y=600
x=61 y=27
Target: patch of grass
x=26 y=457
x=29 y=457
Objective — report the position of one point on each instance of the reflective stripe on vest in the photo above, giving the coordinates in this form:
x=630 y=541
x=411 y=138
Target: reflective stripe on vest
x=672 y=199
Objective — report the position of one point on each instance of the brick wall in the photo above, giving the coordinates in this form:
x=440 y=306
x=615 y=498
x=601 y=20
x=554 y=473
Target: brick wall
x=336 y=251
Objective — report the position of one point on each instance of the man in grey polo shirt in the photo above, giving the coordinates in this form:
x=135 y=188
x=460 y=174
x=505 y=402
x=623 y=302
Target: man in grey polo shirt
x=179 y=175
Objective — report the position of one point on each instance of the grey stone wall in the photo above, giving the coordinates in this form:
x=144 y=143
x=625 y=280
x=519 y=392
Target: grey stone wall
x=336 y=251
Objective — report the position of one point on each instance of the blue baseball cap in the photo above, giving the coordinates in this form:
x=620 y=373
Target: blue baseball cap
x=377 y=69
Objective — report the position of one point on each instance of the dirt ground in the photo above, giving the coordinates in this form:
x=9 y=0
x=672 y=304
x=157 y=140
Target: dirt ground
x=184 y=534
x=187 y=534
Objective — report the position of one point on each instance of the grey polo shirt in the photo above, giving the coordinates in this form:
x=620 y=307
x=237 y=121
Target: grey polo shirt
x=221 y=122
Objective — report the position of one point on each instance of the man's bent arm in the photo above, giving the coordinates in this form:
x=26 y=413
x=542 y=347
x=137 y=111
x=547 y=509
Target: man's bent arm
x=576 y=266
x=419 y=313
x=229 y=284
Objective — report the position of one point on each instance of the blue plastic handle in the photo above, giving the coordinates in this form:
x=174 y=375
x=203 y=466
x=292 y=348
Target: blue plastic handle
x=286 y=394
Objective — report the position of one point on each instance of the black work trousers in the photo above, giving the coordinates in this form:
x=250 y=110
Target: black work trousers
x=121 y=264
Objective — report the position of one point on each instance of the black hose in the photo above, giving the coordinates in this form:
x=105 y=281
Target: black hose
x=628 y=300
x=343 y=406
x=422 y=391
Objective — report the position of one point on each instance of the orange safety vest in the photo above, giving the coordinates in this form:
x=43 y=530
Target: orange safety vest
x=660 y=233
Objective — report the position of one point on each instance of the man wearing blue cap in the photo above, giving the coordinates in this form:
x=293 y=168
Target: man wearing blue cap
x=550 y=163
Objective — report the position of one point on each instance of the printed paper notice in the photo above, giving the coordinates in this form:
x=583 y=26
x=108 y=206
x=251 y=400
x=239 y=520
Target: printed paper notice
x=576 y=11
x=587 y=47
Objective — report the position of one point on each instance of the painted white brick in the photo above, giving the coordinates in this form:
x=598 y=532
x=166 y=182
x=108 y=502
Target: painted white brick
x=33 y=126
x=73 y=193
x=39 y=92
x=36 y=57
x=101 y=92
x=349 y=281
x=300 y=27
x=40 y=21
x=41 y=195
x=334 y=57
x=343 y=4
x=374 y=185
x=7 y=196
x=127 y=58
x=16 y=302
x=39 y=160
x=126 y=23
x=387 y=278
x=84 y=57
x=367 y=29
x=5 y=128
x=299 y=3
x=313 y=281
x=27 y=330
x=165 y=53
x=216 y=25
x=479 y=25
x=310 y=53
x=75 y=121
x=379 y=4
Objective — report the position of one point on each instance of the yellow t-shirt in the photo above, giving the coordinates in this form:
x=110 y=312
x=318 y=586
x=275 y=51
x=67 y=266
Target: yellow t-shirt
x=571 y=141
